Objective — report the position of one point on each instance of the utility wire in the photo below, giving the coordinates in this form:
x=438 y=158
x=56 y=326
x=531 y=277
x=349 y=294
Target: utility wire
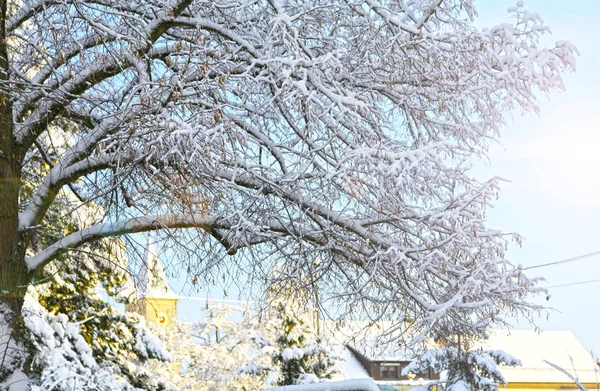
x=216 y=300
x=564 y=261
x=573 y=283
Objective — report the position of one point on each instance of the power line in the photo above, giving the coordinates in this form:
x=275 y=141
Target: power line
x=564 y=260
x=216 y=300
x=573 y=283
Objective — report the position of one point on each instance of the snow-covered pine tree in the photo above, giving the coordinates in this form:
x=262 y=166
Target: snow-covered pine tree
x=466 y=369
x=301 y=356
x=60 y=358
x=120 y=341
x=67 y=293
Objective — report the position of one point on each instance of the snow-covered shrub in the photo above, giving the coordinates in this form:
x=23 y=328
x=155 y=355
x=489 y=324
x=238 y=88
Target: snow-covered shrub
x=217 y=353
x=70 y=292
x=62 y=359
x=301 y=356
x=64 y=355
x=466 y=370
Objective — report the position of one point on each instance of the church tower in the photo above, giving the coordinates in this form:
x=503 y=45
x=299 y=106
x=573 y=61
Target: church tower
x=156 y=301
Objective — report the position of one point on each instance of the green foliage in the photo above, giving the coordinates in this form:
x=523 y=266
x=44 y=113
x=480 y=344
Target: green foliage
x=301 y=356
x=466 y=369
x=69 y=285
x=71 y=288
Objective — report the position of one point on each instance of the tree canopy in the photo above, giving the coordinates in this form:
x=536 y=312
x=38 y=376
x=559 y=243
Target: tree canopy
x=332 y=136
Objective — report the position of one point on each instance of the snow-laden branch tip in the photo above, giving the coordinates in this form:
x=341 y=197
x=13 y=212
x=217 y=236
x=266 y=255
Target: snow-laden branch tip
x=573 y=378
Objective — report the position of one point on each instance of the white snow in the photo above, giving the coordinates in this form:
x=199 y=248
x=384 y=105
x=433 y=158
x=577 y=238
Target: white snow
x=16 y=381
x=460 y=385
x=291 y=353
x=349 y=367
x=307 y=378
x=344 y=385
x=532 y=348
x=253 y=369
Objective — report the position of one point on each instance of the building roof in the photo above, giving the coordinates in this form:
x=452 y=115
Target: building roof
x=375 y=349
x=532 y=348
x=152 y=281
x=348 y=366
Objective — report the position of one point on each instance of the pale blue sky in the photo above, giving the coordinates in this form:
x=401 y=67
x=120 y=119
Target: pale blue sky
x=553 y=162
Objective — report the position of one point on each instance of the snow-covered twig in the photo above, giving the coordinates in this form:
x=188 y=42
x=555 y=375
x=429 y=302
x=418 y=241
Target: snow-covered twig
x=573 y=378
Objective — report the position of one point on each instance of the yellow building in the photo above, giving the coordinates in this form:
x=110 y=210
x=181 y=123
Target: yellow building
x=383 y=362
x=156 y=301
x=536 y=350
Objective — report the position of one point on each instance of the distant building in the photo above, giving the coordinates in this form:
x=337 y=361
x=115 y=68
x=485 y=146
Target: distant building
x=156 y=300
x=384 y=362
x=386 y=369
x=534 y=348
x=373 y=355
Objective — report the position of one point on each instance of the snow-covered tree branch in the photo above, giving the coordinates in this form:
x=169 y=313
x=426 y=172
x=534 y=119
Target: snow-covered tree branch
x=573 y=378
x=335 y=137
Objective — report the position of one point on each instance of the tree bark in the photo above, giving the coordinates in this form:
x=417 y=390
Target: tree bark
x=13 y=271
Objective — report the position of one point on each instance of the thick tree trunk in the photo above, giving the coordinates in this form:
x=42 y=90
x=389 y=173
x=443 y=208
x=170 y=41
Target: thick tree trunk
x=13 y=271
x=14 y=276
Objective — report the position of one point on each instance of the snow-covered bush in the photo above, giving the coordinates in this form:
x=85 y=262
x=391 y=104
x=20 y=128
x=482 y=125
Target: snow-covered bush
x=227 y=351
x=465 y=370
x=62 y=359
x=66 y=299
x=301 y=356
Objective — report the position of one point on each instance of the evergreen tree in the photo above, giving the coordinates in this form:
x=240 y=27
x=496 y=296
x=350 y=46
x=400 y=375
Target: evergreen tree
x=118 y=341
x=62 y=358
x=301 y=356
x=467 y=369
x=67 y=300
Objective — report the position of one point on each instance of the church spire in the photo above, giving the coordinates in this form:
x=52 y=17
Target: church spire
x=153 y=283
x=156 y=301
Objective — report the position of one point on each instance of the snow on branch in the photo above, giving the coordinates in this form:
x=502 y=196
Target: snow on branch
x=102 y=230
x=340 y=132
x=573 y=378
